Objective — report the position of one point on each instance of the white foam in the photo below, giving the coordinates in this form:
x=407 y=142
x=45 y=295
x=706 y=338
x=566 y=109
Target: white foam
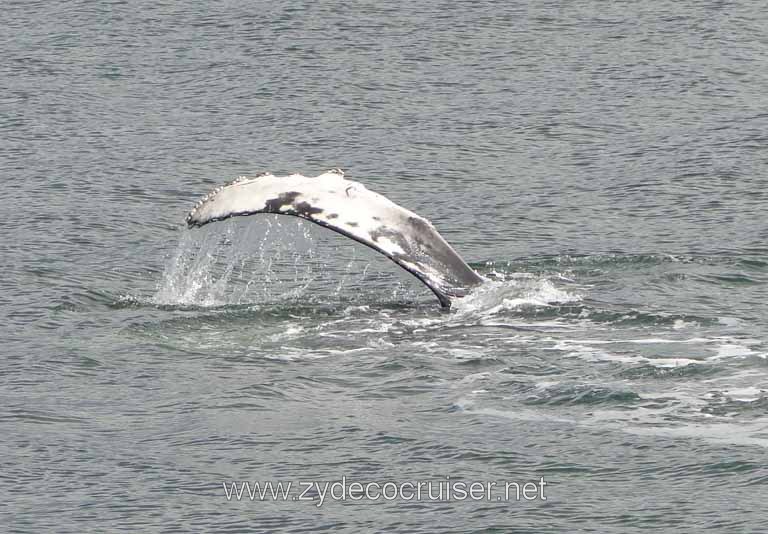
x=467 y=404
x=732 y=350
x=495 y=297
x=583 y=349
x=729 y=321
x=747 y=394
x=475 y=377
x=732 y=433
x=681 y=325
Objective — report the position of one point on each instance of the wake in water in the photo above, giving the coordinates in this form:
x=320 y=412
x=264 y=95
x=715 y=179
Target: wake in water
x=590 y=340
x=567 y=340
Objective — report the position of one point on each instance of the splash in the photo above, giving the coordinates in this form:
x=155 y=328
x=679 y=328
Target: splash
x=514 y=292
x=278 y=261
x=244 y=264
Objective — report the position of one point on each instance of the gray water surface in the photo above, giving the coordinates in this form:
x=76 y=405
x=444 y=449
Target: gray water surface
x=603 y=164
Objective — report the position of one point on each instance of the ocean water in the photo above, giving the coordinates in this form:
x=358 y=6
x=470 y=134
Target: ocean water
x=604 y=165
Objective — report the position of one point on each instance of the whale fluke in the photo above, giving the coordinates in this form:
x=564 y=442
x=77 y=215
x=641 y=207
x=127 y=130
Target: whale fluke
x=349 y=208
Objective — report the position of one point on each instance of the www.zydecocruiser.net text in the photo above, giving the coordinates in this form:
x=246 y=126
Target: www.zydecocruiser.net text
x=344 y=490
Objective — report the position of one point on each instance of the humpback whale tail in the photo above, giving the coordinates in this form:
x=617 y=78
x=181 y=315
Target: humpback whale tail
x=350 y=209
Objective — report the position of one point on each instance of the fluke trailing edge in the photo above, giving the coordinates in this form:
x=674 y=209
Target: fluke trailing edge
x=350 y=209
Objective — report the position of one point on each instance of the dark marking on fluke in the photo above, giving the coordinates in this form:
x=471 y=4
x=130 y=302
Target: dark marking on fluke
x=305 y=209
x=390 y=234
x=273 y=205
